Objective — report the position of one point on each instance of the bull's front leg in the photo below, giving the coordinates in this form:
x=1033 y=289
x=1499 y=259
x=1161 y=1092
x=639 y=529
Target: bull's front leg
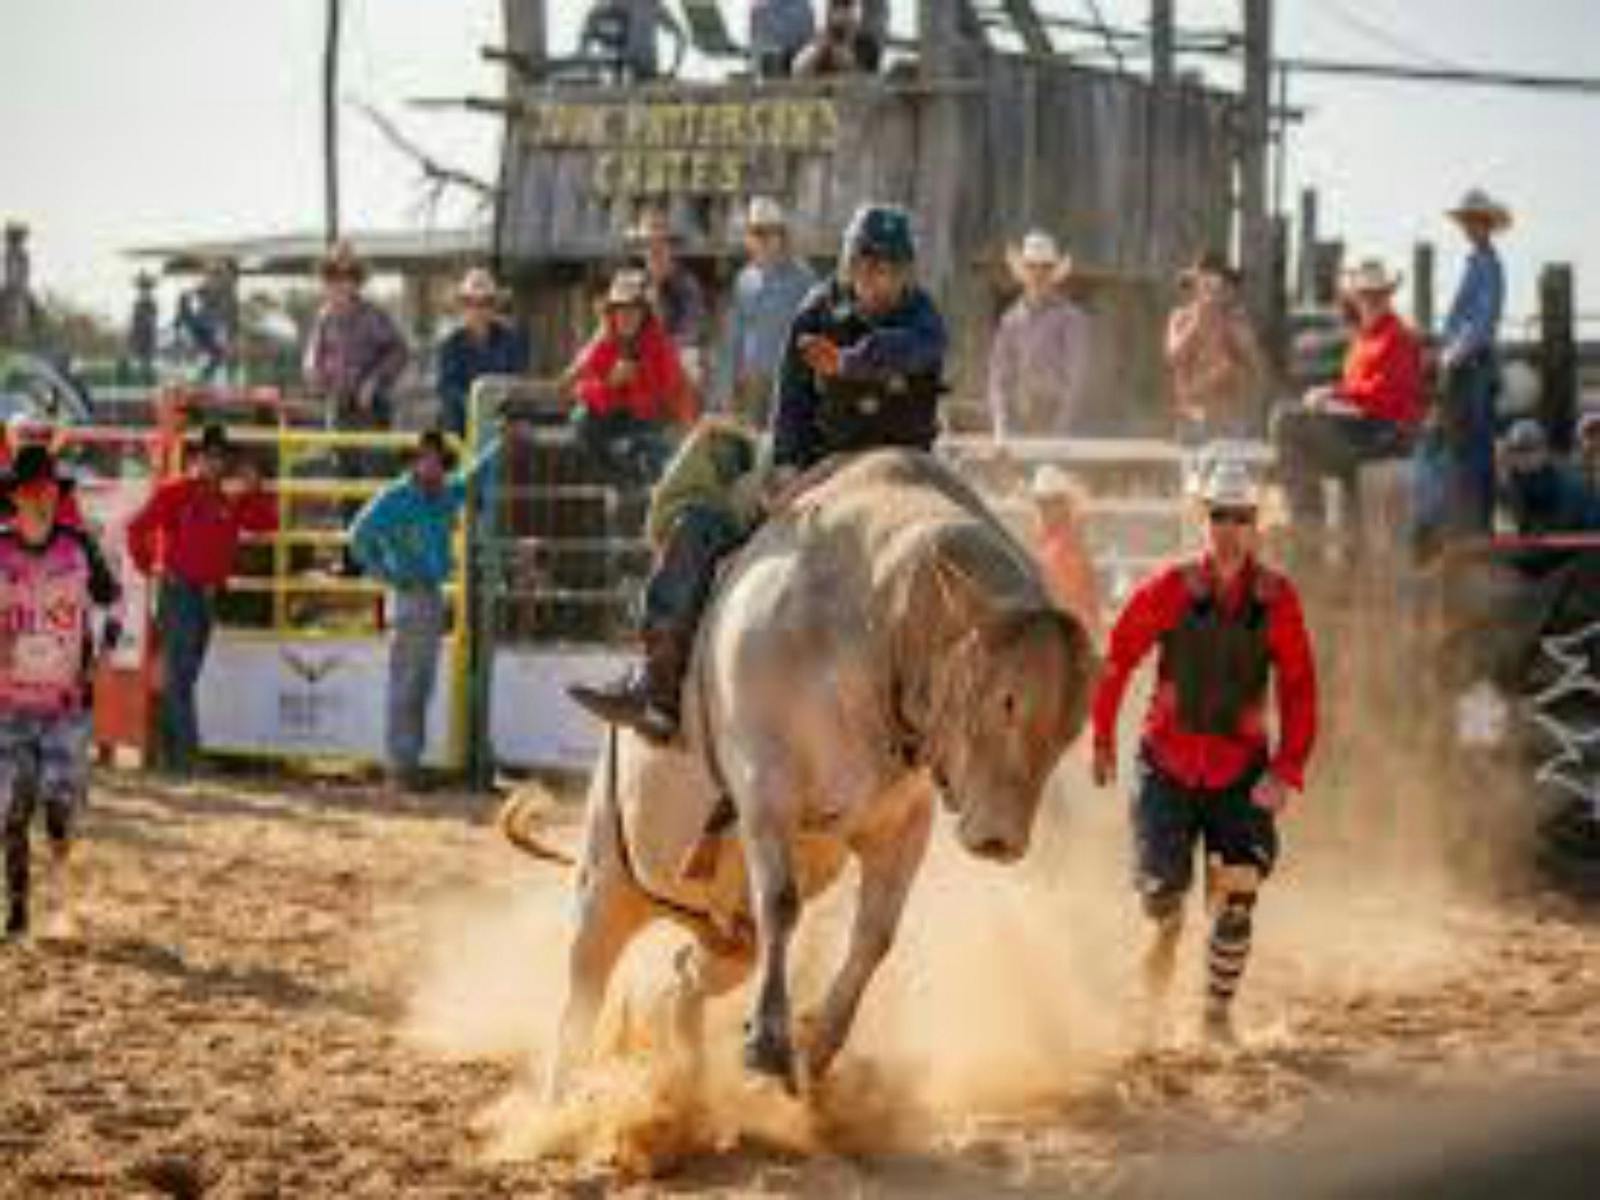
x=889 y=861
x=768 y=1044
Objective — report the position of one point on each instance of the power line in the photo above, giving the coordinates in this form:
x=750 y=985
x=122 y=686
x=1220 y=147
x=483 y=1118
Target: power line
x=1098 y=18
x=1375 y=32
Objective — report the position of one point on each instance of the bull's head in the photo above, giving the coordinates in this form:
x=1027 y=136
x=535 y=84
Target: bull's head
x=1013 y=695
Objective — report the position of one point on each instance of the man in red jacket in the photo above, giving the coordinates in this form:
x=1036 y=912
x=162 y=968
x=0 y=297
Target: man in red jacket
x=187 y=534
x=1223 y=623
x=629 y=386
x=1371 y=413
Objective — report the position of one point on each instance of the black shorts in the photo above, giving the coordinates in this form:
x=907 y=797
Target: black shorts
x=1169 y=820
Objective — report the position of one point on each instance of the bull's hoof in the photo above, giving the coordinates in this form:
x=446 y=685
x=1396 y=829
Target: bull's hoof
x=773 y=1056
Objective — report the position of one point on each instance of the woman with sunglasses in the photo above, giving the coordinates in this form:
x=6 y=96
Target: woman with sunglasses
x=1207 y=775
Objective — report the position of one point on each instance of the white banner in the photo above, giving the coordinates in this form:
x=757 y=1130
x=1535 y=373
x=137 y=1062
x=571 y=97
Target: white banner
x=327 y=696
x=533 y=722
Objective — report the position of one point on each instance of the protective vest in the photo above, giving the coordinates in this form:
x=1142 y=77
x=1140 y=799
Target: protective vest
x=1218 y=661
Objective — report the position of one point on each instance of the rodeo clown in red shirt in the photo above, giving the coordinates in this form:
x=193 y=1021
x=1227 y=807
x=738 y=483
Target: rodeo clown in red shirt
x=1224 y=623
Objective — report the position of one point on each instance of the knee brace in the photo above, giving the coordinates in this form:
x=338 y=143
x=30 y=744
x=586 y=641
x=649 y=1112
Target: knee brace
x=1233 y=919
x=1164 y=907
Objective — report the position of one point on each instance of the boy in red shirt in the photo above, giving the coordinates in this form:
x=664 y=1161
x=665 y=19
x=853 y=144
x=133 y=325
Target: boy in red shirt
x=187 y=534
x=1223 y=623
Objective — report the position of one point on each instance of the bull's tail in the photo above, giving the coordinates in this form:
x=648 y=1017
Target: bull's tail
x=518 y=820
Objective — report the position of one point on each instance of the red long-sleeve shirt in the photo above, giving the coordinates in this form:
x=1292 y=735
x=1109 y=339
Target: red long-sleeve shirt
x=1200 y=760
x=1383 y=372
x=189 y=528
x=656 y=391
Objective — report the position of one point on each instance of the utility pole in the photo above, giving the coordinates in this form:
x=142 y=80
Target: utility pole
x=525 y=27
x=330 y=123
x=1157 y=193
x=1255 y=224
x=1161 y=46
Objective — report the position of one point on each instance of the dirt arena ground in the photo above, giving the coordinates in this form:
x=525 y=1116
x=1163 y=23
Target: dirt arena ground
x=314 y=991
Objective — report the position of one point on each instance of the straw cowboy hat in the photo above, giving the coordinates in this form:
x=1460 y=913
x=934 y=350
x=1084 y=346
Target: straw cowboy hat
x=1371 y=275
x=628 y=289
x=765 y=213
x=477 y=285
x=1039 y=249
x=342 y=262
x=1478 y=204
x=1050 y=482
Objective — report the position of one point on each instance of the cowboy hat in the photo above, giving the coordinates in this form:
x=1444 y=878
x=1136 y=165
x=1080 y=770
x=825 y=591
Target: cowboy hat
x=765 y=213
x=1371 y=275
x=1209 y=262
x=1229 y=484
x=342 y=262
x=1039 y=249
x=31 y=464
x=1478 y=203
x=628 y=289
x=436 y=442
x=477 y=284
x=214 y=440
x=1050 y=482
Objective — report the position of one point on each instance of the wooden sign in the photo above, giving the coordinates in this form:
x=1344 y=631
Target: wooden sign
x=685 y=148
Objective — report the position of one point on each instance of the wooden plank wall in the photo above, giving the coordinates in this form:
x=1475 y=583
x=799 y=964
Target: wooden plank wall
x=1132 y=193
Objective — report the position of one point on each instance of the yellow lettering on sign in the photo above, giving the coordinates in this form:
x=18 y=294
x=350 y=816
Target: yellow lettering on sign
x=731 y=181
x=825 y=121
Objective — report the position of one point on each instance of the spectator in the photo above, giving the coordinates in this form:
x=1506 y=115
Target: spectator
x=629 y=386
x=404 y=537
x=483 y=344
x=1061 y=549
x=1040 y=358
x=1372 y=413
x=52 y=577
x=766 y=295
x=779 y=30
x=1543 y=495
x=1469 y=369
x=1588 y=447
x=196 y=331
x=850 y=41
x=144 y=329
x=187 y=535
x=355 y=354
x=1218 y=372
x=675 y=293
x=20 y=316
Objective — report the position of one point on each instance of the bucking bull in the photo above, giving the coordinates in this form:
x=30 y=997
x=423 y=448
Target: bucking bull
x=882 y=639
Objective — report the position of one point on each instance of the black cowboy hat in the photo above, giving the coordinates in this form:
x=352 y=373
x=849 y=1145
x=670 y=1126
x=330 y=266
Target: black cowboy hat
x=31 y=464
x=1210 y=262
x=214 y=440
x=434 y=441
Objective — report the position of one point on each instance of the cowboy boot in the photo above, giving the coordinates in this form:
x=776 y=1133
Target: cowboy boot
x=646 y=699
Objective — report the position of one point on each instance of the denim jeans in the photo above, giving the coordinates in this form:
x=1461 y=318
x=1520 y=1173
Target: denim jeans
x=184 y=617
x=699 y=539
x=1471 y=389
x=1313 y=445
x=630 y=451
x=416 y=624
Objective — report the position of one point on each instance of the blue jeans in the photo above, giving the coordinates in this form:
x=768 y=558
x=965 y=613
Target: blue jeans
x=627 y=449
x=1312 y=445
x=1468 y=428
x=416 y=623
x=184 y=617
x=699 y=539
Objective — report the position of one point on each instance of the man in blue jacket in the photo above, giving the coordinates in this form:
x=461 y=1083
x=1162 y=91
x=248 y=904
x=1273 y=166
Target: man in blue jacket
x=483 y=344
x=405 y=537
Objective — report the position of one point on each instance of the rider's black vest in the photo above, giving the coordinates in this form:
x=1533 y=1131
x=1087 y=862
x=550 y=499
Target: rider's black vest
x=1218 y=661
x=856 y=414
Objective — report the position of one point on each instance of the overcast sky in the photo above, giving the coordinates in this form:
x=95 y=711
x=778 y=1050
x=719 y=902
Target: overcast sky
x=136 y=121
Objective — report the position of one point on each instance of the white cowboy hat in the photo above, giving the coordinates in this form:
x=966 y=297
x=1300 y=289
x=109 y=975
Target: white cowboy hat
x=1229 y=484
x=765 y=213
x=1039 y=249
x=1478 y=203
x=1051 y=482
x=1371 y=275
x=627 y=288
x=477 y=284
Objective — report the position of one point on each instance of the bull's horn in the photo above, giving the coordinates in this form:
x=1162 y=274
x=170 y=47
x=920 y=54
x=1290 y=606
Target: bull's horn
x=516 y=821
